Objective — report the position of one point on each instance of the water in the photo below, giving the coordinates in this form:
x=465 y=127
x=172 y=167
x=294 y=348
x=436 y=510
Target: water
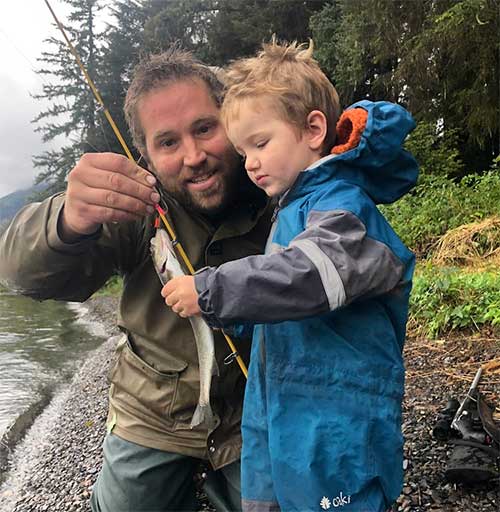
x=40 y=345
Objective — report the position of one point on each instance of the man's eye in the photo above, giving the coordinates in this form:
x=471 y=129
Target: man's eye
x=204 y=129
x=168 y=143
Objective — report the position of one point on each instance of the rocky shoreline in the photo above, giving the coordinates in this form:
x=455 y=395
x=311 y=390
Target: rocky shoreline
x=59 y=470
x=55 y=466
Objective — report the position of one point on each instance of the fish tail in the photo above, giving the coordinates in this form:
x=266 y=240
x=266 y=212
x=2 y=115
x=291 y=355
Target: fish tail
x=202 y=414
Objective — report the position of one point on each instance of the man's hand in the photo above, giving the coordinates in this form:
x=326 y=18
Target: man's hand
x=105 y=187
x=181 y=295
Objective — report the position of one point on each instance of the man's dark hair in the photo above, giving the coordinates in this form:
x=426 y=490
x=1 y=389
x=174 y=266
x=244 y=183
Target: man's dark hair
x=158 y=70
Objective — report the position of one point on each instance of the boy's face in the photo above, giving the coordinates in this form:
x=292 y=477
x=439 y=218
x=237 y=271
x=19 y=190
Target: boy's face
x=275 y=152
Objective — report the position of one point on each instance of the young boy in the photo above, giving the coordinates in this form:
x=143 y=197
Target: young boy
x=322 y=414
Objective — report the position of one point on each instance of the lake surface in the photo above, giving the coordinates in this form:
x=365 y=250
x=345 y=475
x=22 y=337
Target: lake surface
x=41 y=344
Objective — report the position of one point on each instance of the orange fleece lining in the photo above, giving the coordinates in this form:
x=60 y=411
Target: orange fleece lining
x=349 y=129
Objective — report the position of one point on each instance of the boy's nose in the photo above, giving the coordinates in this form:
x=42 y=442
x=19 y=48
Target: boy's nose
x=194 y=154
x=251 y=164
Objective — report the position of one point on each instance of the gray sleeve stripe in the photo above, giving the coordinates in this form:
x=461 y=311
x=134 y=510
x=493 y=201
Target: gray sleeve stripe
x=330 y=278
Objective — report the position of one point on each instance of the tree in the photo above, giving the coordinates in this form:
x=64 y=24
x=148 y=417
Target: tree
x=361 y=44
x=177 y=21
x=458 y=56
x=239 y=27
x=440 y=58
x=73 y=110
x=121 y=51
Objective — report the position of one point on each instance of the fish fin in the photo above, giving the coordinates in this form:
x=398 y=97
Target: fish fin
x=203 y=414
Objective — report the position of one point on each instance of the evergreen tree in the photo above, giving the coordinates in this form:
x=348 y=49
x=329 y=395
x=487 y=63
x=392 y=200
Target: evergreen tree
x=361 y=44
x=241 y=26
x=121 y=51
x=452 y=68
x=182 y=22
x=73 y=110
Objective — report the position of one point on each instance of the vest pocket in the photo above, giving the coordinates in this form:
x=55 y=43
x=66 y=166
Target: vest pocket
x=141 y=389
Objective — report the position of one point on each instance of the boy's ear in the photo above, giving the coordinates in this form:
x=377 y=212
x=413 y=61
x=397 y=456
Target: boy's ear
x=316 y=129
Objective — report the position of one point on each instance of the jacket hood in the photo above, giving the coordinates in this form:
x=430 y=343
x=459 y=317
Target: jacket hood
x=370 y=153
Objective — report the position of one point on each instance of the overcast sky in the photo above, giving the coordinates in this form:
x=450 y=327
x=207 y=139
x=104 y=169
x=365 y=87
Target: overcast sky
x=24 y=24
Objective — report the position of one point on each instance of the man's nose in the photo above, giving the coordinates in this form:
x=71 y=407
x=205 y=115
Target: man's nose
x=194 y=154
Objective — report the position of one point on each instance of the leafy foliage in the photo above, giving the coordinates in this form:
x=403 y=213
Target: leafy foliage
x=436 y=151
x=444 y=299
x=457 y=55
x=183 y=21
x=440 y=204
x=238 y=27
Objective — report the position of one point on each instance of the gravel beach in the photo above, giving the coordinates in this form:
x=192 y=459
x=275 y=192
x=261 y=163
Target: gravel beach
x=56 y=465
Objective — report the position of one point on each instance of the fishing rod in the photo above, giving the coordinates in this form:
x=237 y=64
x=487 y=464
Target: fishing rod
x=161 y=212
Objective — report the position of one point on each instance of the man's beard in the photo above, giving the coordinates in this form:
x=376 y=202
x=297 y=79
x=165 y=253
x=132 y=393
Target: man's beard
x=211 y=204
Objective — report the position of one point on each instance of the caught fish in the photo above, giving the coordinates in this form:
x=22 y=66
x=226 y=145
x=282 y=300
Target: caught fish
x=167 y=266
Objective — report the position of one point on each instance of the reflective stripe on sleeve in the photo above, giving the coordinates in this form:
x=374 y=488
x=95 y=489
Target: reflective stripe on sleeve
x=330 y=278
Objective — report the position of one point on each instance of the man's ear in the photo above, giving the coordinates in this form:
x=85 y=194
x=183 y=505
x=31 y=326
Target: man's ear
x=316 y=129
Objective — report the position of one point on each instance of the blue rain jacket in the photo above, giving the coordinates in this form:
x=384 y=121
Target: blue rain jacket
x=322 y=414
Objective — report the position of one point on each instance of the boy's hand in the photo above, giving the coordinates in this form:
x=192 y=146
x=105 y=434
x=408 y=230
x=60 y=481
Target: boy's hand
x=181 y=295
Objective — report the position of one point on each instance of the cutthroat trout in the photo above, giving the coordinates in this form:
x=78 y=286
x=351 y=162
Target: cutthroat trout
x=167 y=266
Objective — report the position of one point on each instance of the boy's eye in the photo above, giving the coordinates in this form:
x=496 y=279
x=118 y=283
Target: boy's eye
x=261 y=144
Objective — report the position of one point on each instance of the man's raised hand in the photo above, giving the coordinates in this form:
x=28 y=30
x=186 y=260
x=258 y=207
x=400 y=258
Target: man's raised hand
x=105 y=187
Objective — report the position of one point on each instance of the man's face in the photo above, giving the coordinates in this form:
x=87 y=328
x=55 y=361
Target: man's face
x=187 y=147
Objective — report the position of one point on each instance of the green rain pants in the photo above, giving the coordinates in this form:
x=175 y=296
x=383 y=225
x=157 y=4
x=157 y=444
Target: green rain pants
x=139 y=479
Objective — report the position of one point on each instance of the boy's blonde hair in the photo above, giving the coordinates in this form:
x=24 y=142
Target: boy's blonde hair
x=290 y=77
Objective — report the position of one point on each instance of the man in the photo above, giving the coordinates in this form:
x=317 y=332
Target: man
x=69 y=245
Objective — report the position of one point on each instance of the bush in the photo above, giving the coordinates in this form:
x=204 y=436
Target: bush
x=445 y=299
x=441 y=200
x=436 y=151
x=439 y=204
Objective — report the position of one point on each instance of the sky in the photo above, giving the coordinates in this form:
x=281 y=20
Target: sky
x=24 y=24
